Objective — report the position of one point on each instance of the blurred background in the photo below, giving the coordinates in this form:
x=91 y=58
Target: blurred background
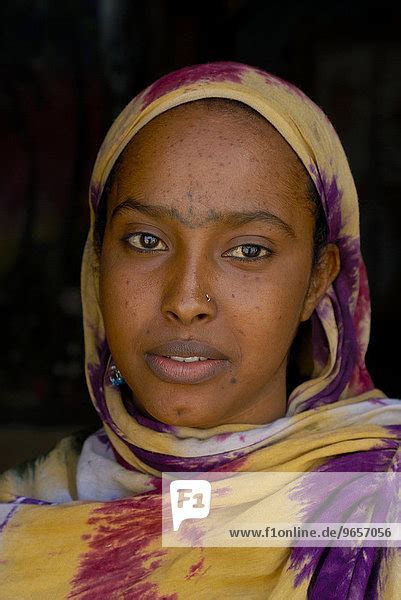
x=69 y=67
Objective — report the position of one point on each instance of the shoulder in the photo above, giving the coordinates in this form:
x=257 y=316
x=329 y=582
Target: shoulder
x=50 y=477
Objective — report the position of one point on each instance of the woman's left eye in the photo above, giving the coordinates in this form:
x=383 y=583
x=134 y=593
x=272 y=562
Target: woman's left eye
x=145 y=242
x=249 y=252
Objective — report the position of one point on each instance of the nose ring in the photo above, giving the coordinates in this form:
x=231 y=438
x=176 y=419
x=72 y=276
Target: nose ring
x=208 y=297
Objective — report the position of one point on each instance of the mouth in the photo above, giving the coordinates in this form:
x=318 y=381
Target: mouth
x=186 y=361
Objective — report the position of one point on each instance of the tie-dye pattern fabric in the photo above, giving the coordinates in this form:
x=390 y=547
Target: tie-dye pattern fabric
x=85 y=521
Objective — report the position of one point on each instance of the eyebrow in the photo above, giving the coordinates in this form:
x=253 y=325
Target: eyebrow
x=232 y=218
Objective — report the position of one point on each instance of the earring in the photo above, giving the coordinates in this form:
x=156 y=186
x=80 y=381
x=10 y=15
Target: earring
x=116 y=379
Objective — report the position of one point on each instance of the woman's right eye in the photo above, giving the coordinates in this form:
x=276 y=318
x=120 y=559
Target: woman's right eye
x=145 y=242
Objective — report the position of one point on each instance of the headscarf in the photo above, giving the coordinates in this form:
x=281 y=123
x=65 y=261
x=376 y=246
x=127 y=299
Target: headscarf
x=99 y=530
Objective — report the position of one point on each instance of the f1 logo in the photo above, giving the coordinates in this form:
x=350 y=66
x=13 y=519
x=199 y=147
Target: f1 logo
x=190 y=499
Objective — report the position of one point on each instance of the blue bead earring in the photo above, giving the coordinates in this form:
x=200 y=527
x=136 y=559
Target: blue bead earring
x=116 y=379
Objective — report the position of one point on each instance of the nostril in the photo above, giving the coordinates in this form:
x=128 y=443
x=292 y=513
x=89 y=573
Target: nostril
x=202 y=316
x=172 y=315
x=177 y=316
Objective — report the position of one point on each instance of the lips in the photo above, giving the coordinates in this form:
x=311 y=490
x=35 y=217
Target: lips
x=176 y=371
x=187 y=348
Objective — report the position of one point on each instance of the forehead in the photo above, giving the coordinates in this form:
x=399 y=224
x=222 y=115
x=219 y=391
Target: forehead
x=218 y=121
x=216 y=150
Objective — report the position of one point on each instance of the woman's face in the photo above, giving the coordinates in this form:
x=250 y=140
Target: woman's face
x=208 y=203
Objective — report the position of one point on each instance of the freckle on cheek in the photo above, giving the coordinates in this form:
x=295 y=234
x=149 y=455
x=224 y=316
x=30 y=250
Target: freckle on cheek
x=233 y=380
x=232 y=295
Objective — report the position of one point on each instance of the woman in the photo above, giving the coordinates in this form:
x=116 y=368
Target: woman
x=226 y=320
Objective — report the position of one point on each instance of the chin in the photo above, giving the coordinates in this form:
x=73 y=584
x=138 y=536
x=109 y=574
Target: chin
x=176 y=411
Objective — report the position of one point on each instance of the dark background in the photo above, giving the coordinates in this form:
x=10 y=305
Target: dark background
x=69 y=67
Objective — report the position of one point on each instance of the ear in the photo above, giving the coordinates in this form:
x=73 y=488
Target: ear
x=323 y=275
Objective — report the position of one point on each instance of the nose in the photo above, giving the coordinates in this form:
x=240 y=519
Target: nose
x=186 y=292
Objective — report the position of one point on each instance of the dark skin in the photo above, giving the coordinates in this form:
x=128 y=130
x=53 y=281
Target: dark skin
x=195 y=166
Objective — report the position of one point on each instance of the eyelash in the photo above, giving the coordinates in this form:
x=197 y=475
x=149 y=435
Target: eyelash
x=141 y=233
x=268 y=254
x=248 y=259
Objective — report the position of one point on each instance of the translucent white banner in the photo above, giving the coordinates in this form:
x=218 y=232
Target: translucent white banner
x=281 y=509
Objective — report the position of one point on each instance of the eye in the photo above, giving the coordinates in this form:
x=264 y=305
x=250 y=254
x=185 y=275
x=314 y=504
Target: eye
x=249 y=252
x=145 y=242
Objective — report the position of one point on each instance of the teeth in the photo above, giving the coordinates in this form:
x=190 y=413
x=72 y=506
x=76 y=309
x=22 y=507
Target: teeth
x=187 y=358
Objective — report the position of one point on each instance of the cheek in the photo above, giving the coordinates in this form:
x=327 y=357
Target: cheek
x=267 y=308
x=126 y=300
